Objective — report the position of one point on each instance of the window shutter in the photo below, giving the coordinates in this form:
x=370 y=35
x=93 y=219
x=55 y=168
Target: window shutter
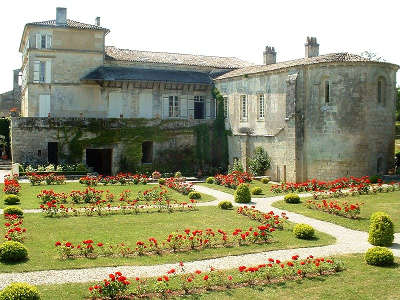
x=44 y=105
x=208 y=108
x=190 y=105
x=38 y=41
x=47 y=77
x=36 y=71
x=184 y=106
x=165 y=107
x=212 y=108
x=48 y=41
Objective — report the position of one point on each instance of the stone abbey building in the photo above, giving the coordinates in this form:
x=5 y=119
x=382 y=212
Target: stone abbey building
x=321 y=116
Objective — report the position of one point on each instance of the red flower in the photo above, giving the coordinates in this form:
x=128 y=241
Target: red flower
x=58 y=243
x=197 y=272
x=205 y=277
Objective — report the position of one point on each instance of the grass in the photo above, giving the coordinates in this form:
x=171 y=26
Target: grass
x=43 y=232
x=29 y=200
x=358 y=281
x=386 y=202
x=266 y=188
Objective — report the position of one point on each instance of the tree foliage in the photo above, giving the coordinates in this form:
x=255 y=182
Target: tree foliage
x=259 y=162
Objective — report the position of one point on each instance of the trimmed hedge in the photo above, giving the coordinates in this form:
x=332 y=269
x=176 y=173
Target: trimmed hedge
x=11 y=210
x=381 y=229
x=194 y=195
x=256 y=191
x=210 y=180
x=292 y=198
x=20 y=291
x=379 y=256
x=303 y=231
x=242 y=194
x=225 y=205
x=11 y=199
x=11 y=251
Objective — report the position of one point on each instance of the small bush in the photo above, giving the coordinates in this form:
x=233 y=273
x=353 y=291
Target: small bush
x=11 y=199
x=11 y=210
x=19 y=291
x=11 y=251
x=303 y=231
x=194 y=195
x=381 y=229
x=161 y=181
x=242 y=194
x=225 y=205
x=256 y=191
x=292 y=198
x=265 y=180
x=178 y=175
x=210 y=180
x=379 y=256
x=374 y=178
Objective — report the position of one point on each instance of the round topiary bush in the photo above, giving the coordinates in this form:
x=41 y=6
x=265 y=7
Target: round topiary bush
x=19 y=291
x=178 y=174
x=210 y=180
x=11 y=199
x=194 y=195
x=379 y=256
x=256 y=191
x=225 y=205
x=265 y=180
x=303 y=231
x=381 y=229
x=242 y=194
x=292 y=198
x=11 y=210
x=11 y=251
x=161 y=181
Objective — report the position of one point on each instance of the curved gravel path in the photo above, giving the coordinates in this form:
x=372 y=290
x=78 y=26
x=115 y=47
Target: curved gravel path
x=347 y=241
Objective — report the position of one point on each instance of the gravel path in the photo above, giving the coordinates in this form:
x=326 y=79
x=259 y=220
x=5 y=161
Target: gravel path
x=347 y=241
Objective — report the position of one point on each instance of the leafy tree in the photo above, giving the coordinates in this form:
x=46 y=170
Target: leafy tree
x=259 y=162
x=371 y=56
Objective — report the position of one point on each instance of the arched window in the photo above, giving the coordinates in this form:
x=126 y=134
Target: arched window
x=327 y=91
x=381 y=85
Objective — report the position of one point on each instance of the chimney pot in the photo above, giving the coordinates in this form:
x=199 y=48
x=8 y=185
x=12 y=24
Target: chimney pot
x=269 y=55
x=312 y=47
x=97 y=21
x=61 y=16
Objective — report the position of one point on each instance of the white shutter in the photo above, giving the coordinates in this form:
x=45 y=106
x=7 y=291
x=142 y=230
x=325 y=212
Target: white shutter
x=115 y=104
x=36 y=71
x=38 y=40
x=47 y=77
x=212 y=108
x=184 y=106
x=208 y=108
x=190 y=107
x=44 y=105
x=48 y=41
x=165 y=107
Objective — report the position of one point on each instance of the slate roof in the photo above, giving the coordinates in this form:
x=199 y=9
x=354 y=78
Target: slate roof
x=113 y=53
x=139 y=74
x=70 y=23
x=328 y=58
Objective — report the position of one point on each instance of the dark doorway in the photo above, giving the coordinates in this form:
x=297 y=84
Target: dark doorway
x=199 y=107
x=100 y=160
x=147 y=152
x=52 y=153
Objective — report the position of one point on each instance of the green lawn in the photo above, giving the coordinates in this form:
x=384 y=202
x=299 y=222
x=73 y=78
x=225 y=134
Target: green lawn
x=358 y=281
x=386 y=202
x=265 y=187
x=43 y=232
x=29 y=200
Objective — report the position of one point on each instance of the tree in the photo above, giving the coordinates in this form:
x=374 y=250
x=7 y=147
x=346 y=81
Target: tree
x=259 y=162
x=371 y=56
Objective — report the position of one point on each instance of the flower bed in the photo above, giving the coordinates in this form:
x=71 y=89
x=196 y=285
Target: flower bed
x=270 y=219
x=51 y=178
x=180 y=186
x=121 y=178
x=13 y=227
x=234 y=179
x=177 y=282
x=11 y=185
x=184 y=241
x=344 y=209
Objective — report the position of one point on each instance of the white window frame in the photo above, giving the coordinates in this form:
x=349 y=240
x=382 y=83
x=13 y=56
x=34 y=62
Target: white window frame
x=260 y=107
x=42 y=71
x=173 y=107
x=244 y=108
x=226 y=107
x=47 y=38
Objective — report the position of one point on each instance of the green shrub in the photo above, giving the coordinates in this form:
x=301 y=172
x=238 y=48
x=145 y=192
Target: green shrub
x=161 y=181
x=381 y=229
x=225 y=205
x=374 y=178
x=19 y=291
x=256 y=190
x=81 y=168
x=379 y=256
x=242 y=194
x=292 y=198
x=11 y=251
x=194 y=195
x=265 y=180
x=259 y=162
x=303 y=231
x=11 y=210
x=11 y=199
x=178 y=175
x=210 y=180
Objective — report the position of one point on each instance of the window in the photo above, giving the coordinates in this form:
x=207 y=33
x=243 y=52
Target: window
x=199 y=107
x=225 y=107
x=41 y=71
x=43 y=41
x=147 y=152
x=381 y=91
x=261 y=107
x=327 y=92
x=173 y=106
x=243 y=107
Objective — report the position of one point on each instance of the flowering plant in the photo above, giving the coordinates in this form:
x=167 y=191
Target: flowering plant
x=11 y=185
x=114 y=286
x=234 y=179
x=344 y=209
x=270 y=219
x=181 y=187
x=14 y=230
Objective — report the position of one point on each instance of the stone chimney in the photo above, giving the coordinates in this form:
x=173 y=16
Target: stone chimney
x=97 y=21
x=312 y=47
x=61 y=16
x=269 y=55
